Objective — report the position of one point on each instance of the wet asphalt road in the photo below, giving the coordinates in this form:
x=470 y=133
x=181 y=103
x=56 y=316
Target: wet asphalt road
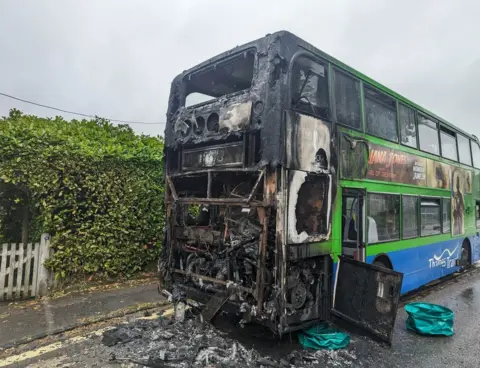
x=462 y=295
x=461 y=350
x=38 y=317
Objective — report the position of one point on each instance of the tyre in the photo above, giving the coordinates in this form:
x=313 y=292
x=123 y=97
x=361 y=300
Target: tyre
x=465 y=256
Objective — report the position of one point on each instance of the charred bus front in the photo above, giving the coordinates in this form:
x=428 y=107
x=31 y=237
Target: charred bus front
x=250 y=177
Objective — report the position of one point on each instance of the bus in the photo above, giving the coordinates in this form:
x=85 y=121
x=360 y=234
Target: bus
x=281 y=163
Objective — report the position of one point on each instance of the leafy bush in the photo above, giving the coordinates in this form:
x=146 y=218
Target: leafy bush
x=97 y=188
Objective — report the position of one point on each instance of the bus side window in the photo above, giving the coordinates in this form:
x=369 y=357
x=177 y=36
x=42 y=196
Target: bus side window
x=464 y=150
x=384 y=209
x=408 y=127
x=428 y=133
x=380 y=114
x=476 y=154
x=310 y=88
x=347 y=100
x=372 y=230
x=430 y=216
x=349 y=228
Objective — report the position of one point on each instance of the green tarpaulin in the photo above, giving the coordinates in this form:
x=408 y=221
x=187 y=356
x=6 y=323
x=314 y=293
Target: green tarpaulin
x=429 y=319
x=323 y=337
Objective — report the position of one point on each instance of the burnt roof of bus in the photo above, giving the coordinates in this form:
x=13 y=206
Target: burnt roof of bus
x=263 y=41
x=289 y=38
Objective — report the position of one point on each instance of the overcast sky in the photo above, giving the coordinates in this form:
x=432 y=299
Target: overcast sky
x=117 y=58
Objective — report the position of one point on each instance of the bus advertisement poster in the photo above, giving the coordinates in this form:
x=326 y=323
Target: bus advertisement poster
x=387 y=164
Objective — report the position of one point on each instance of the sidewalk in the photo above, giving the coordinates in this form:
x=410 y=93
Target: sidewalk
x=24 y=320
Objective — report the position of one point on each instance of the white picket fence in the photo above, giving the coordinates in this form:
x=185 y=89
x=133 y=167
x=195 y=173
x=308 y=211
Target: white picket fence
x=22 y=271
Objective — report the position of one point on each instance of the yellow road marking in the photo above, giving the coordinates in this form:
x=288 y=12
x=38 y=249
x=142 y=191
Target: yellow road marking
x=48 y=348
x=74 y=340
x=153 y=316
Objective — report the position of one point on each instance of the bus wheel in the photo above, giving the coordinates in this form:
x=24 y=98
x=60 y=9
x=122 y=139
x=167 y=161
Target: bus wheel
x=465 y=255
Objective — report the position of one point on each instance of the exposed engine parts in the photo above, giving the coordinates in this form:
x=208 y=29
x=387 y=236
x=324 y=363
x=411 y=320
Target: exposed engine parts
x=225 y=247
x=249 y=189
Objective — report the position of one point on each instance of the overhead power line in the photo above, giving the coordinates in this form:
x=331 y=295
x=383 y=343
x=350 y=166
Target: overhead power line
x=77 y=113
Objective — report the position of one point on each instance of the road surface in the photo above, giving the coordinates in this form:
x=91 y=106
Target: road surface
x=462 y=294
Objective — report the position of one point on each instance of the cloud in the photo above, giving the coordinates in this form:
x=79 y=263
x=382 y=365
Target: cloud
x=117 y=58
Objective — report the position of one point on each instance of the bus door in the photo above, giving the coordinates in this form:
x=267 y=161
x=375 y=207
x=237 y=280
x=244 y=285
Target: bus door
x=357 y=298
x=353 y=215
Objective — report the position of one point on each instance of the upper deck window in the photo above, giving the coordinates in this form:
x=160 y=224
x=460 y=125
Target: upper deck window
x=347 y=100
x=232 y=75
x=476 y=154
x=428 y=133
x=449 y=144
x=408 y=128
x=380 y=114
x=464 y=150
x=310 y=87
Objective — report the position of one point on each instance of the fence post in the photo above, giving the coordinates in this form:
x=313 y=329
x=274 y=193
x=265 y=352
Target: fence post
x=42 y=275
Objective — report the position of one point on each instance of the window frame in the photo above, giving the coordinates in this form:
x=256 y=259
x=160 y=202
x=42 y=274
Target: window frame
x=437 y=123
x=291 y=80
x=472 y=142
x=207 y=68
x=449 y=218
x=333 y=103
x=447 y=130
x=367 y=211
x=469 y=149
x=440 y=209
x=415 y=122
x=418 y=216
x=364 y=111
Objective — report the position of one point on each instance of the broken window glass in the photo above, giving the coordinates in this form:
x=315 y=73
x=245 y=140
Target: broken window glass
x=430 y=216
x=410 y=216
x=380 y=114
x=234 y=74
x=476 y=154
x=464 y=150
x=310 y=88
x=428 y=133
x=384 y=212
x=347 y=100
x=449 y=144
x=408 y=129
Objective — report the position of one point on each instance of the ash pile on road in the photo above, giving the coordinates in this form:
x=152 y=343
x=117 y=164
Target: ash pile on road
x=169 y=344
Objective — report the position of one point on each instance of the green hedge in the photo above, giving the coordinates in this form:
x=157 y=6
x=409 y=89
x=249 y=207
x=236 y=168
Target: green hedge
x=97 y=188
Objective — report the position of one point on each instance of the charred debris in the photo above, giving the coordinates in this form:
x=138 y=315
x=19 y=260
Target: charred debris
x=250 y=186
x=165 y=343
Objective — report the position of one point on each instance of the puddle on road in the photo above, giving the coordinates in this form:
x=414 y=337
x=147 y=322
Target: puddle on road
x=468 y=295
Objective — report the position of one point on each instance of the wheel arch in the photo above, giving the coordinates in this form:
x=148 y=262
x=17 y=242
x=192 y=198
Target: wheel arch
x=385 y=259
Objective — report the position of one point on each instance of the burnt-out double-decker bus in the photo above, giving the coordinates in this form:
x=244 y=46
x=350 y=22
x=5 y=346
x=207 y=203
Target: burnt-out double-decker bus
x=243 y=184
x=297 y=187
